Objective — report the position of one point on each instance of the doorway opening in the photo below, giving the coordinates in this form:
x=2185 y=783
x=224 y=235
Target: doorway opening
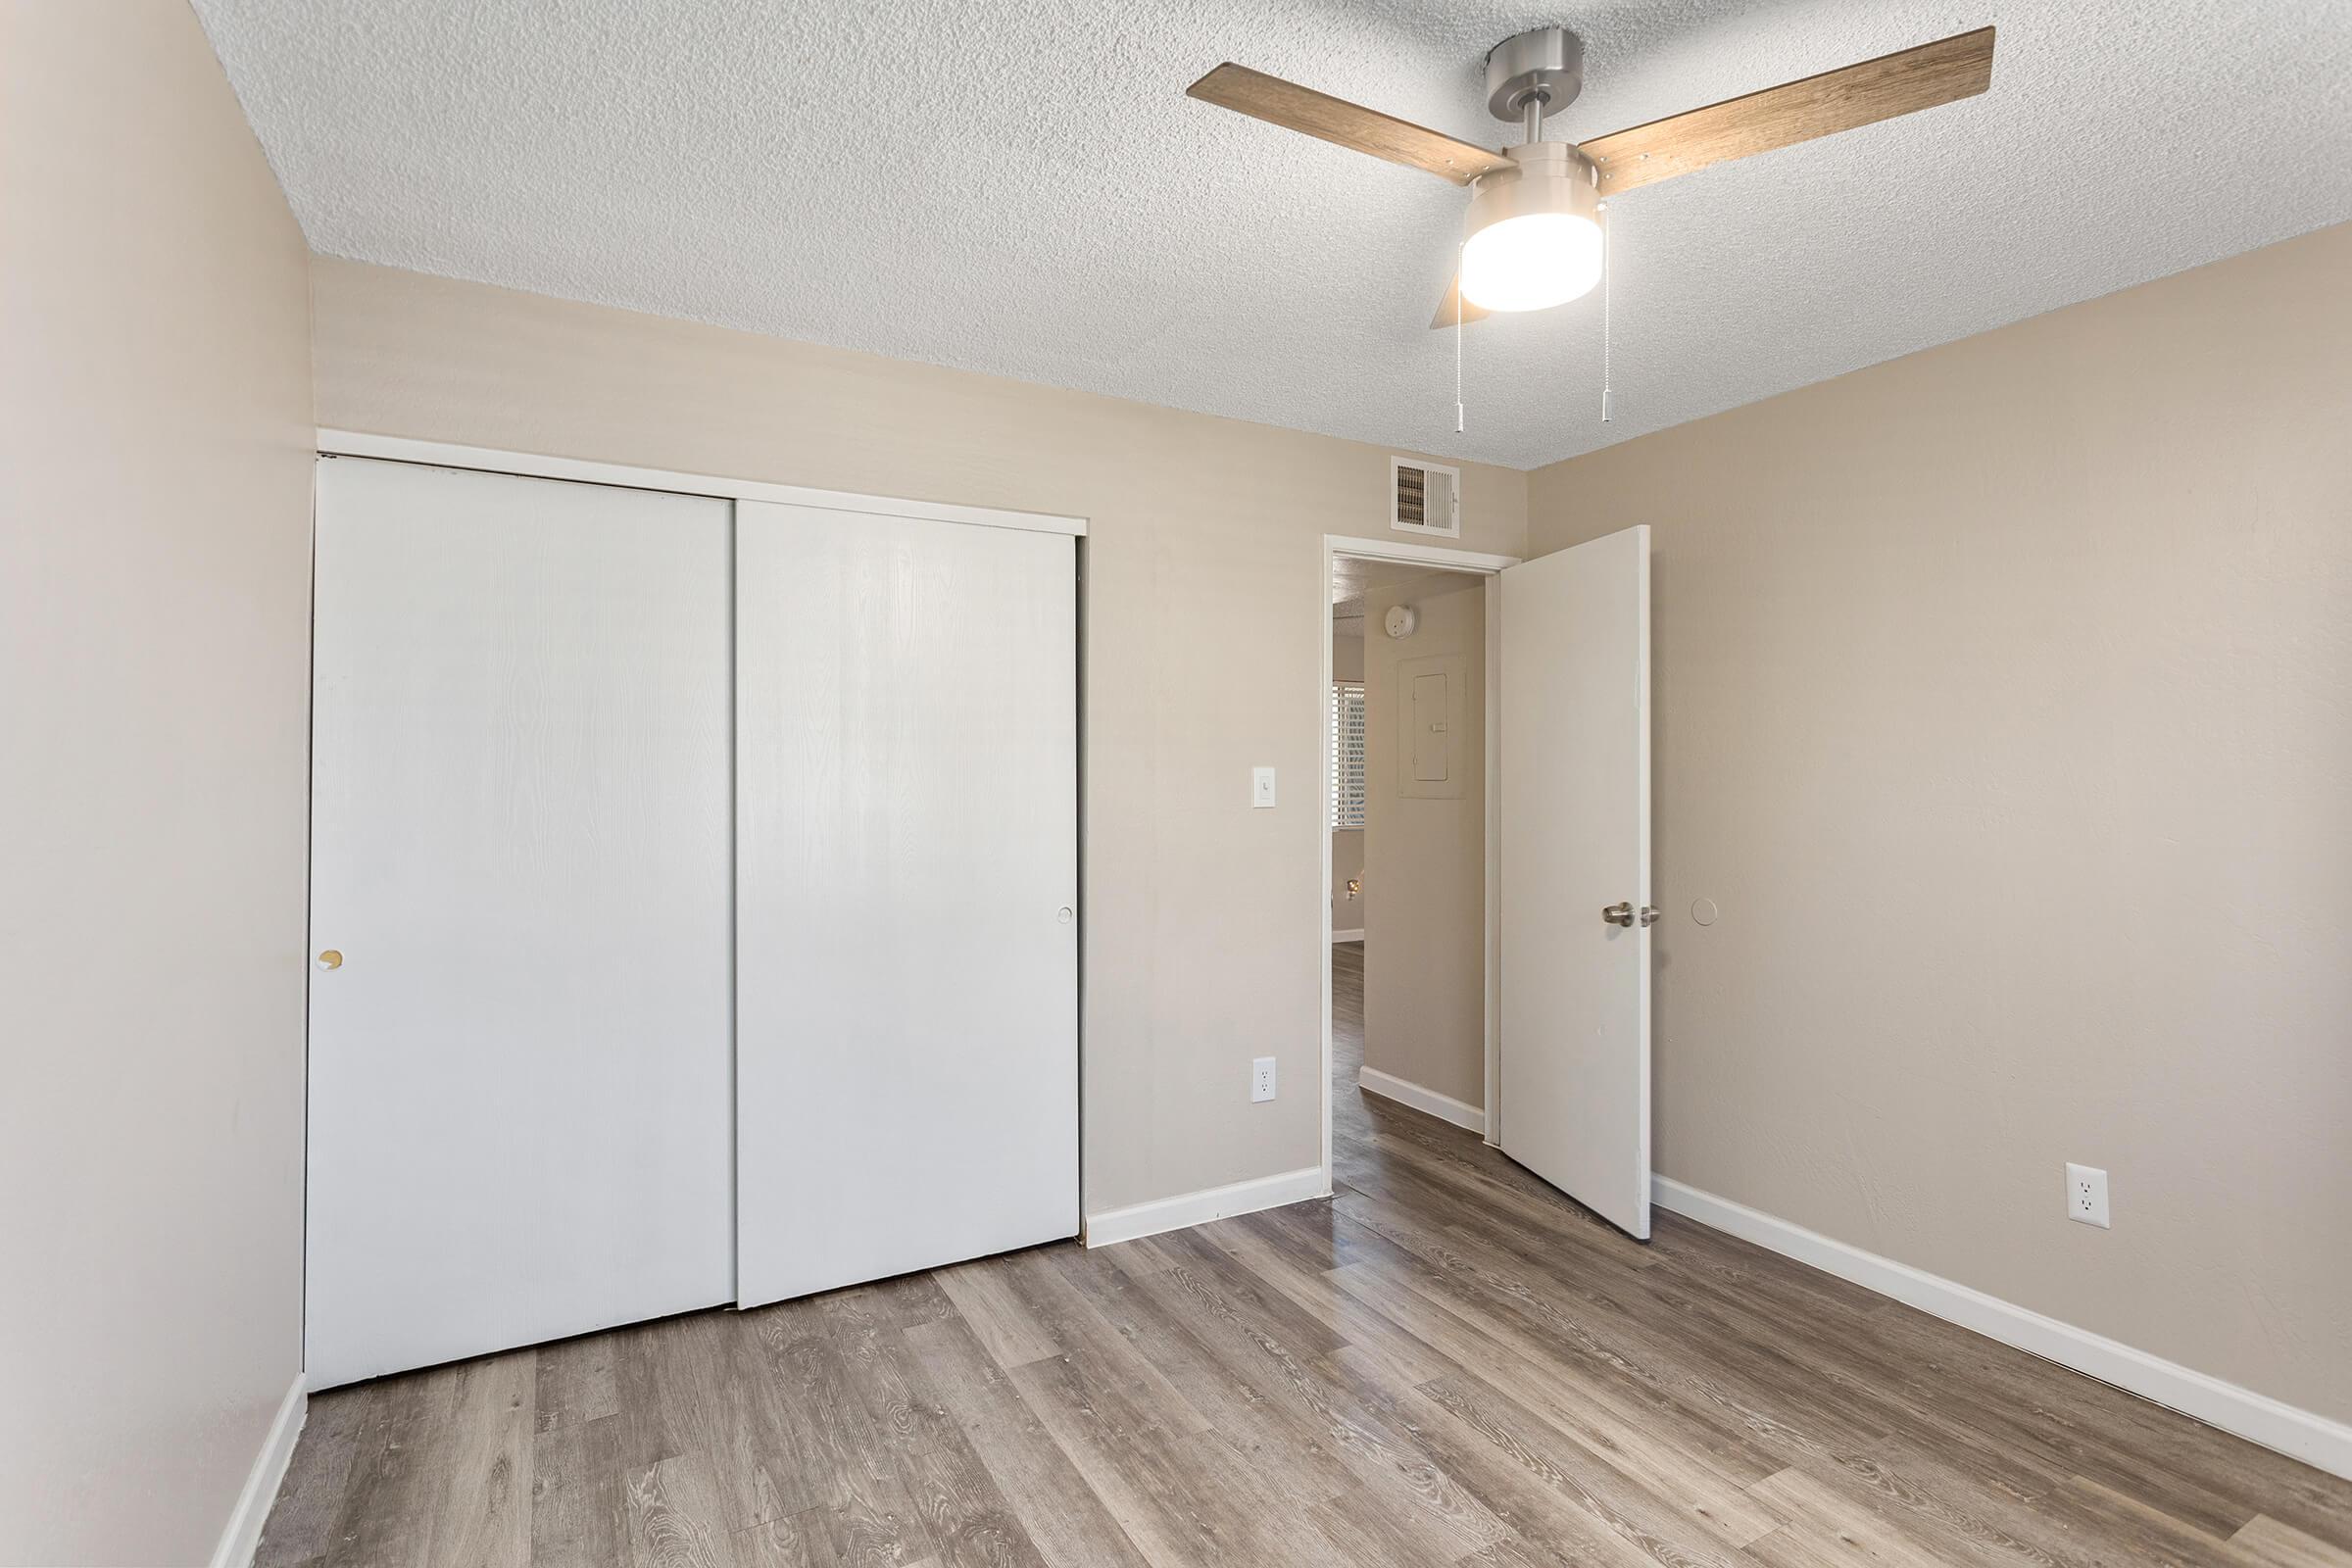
x=1406 y=804
x=1544 y=757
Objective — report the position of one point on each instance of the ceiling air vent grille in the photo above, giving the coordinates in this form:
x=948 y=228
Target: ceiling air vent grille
x=1425 y=498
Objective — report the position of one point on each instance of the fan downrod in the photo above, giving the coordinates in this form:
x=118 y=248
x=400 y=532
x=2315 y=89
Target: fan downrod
x=1534 y=73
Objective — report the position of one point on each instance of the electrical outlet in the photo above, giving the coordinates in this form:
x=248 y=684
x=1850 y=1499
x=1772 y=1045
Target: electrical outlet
x=2087 y=1196
x=1261 y=1079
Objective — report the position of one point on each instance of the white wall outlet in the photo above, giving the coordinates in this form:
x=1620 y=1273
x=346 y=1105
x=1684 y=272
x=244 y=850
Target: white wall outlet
x=2087 y=1196
x=1261 y=1079
x=1262 y=787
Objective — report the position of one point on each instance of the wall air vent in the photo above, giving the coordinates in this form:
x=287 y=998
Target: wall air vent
x=1425 y=498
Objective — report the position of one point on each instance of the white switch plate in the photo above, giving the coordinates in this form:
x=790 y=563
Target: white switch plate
x=1262 y=787
x=1261 y=1079
x=2087 y=1196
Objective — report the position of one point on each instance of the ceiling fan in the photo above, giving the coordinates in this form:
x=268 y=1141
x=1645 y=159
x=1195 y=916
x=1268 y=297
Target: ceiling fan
x=1532 y=238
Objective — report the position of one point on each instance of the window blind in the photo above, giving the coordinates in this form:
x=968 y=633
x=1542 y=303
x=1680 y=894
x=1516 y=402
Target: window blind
x=1347 y=753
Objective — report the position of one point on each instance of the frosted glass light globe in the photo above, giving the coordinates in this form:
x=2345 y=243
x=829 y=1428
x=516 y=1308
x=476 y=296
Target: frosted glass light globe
x=1532 y=262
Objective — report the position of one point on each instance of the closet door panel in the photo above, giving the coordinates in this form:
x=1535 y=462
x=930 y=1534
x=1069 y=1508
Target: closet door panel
x=906 y=894
x=521 y=1073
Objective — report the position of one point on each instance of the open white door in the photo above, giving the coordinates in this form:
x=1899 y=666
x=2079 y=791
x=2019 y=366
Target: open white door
x=1574 y=835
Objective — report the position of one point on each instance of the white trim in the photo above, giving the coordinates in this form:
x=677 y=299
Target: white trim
x=1403 y=1091
x=401 y=449
x=1338 y=937
x=242 y=1535
x=1341 y=544
x=2299 y=1434
x=1198 y=1208
x=1491 y=970
x=1324 y=763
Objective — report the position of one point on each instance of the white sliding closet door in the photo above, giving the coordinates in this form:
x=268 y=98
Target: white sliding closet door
x=520 y=1123
x=906 y=884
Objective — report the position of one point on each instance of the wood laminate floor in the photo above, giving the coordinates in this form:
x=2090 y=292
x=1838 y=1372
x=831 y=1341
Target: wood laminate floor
x=1447 y=1363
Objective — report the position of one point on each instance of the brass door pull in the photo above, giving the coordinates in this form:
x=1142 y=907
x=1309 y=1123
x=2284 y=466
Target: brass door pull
x=331 y=958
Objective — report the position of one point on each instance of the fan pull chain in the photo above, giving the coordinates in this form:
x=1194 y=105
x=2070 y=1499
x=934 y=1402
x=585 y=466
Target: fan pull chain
x=1608 y=271
x=1457 y=341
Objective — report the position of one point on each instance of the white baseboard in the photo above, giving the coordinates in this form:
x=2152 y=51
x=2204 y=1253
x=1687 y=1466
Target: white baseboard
x=2303 y=1434
x=1198 y=1208
x=1407 y=1093
x=244 y=1531
x=1356 y=935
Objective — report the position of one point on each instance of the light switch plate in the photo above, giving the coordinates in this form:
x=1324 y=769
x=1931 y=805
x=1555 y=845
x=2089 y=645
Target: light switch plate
x=1262 y=787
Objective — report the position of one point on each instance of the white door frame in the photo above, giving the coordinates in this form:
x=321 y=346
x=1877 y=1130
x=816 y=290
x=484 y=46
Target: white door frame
x=1337 y=545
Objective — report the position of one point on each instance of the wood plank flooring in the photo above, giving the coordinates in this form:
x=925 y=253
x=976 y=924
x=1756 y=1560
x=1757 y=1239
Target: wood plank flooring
x=1448 y=1363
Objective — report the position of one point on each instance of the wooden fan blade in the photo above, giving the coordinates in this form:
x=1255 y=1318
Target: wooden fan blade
x=1335 y=120
x=1453 y=302
x=1939 y=73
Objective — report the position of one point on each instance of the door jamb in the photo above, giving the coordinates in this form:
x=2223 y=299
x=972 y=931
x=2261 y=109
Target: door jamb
x=1470 y=562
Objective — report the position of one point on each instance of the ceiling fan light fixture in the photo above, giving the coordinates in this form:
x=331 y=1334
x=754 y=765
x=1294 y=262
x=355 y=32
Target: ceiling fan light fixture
x=1532 y=262
x=1532 y=239
x=1510 y=262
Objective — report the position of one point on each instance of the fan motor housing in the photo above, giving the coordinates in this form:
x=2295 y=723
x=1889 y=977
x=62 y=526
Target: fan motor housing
x=1545 y=176
x=1546 y=66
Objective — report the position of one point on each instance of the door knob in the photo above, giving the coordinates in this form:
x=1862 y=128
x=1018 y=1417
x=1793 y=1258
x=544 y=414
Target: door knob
x=1618 y=914
x=331 y=958
x=1062 y=915
x=1650 y=916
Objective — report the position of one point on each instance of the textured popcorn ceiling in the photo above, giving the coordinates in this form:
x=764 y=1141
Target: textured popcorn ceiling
x=1354 y=583
x=1023 y=190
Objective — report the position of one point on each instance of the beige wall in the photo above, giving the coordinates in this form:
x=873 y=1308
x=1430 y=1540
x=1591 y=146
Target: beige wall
x=1347 y=654
x=1201 y=583
x=1347 y=844
x=1425 y=860
x=2001 y=704
x=155 y=475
